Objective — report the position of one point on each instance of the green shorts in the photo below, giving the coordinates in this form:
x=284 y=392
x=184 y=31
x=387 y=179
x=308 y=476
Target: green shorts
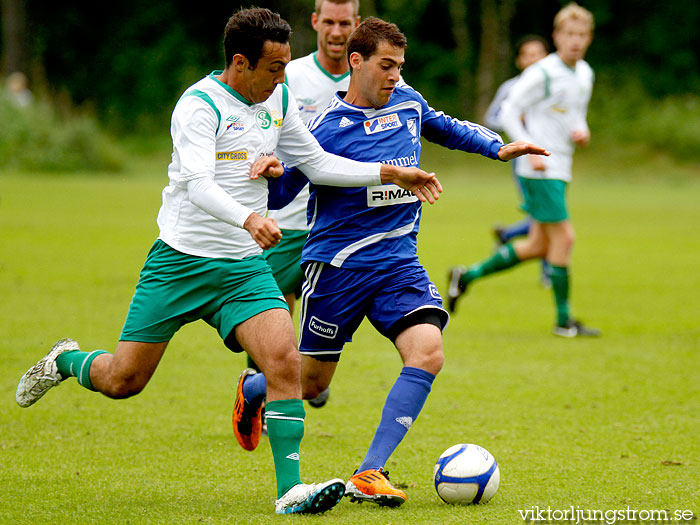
x=544 y=199
x=285 y=261
x=175 y=289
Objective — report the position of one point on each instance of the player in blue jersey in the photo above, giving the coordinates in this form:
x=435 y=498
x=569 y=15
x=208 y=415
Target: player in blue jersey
x=360 y=257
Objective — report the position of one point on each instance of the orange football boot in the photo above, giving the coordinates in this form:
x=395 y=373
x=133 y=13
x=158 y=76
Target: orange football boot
x=247 y=419
x=374 y=486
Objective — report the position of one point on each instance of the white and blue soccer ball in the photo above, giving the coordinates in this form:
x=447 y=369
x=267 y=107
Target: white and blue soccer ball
x=466 y=474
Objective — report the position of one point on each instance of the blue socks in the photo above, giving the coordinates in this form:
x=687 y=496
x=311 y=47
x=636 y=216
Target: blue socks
x=255 y=388
x=402 y=406
x=518 y=229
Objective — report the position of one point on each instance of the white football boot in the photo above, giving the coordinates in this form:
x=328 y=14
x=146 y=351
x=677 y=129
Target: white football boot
x=311 y=498
x=43 y=375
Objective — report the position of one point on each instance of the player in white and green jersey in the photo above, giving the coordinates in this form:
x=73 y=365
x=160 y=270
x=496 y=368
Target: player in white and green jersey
x=207 y=261
x=551 y=97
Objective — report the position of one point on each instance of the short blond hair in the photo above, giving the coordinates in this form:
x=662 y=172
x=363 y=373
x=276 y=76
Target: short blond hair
x=573 y=11
x=355 y=5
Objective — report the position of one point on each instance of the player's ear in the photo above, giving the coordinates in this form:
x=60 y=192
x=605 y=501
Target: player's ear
x=355 y=60
x=314 y=21
x=239 y=62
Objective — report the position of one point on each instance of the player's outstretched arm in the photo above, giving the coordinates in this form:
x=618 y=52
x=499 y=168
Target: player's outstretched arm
x=422 y=184
x=519 y=148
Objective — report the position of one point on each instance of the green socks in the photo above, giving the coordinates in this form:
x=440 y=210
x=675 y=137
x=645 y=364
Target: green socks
x=77 y=364
x=504 y=258
x=285 y=428
x=560 y=286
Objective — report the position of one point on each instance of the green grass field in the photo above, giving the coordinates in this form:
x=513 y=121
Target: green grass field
x=605 y=424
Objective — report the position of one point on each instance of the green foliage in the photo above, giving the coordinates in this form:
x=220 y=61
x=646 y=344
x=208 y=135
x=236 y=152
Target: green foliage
x=599 y=424
x=35 y=138
x=626 y=113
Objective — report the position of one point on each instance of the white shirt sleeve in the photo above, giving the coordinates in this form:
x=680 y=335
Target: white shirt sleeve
x=526 y=92
x=193 y=129
x=213 y=199
x=298 y=147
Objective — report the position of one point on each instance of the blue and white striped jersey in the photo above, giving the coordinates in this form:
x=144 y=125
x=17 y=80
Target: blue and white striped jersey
x=377 y=226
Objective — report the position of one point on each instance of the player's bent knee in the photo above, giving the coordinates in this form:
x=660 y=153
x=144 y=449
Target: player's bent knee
x=433 y=360
x=283 y=364
x=122 y=388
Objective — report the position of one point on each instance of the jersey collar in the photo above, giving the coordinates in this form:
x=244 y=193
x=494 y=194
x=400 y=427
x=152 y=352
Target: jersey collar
x=334 y=78
x=229 y=89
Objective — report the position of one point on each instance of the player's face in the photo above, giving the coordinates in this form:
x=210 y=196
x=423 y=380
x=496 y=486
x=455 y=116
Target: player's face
x=529 y=53
x=334 y=23
x=376 y=77
x=572 y=40
x=262 y=80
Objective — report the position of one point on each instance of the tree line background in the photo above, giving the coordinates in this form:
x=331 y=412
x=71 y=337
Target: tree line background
x=129 y=61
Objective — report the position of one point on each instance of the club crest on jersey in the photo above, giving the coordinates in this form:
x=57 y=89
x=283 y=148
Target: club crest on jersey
x=412 y=128
x=388 y=195
x=262 y=117
x=383 y=123
x=411 y=125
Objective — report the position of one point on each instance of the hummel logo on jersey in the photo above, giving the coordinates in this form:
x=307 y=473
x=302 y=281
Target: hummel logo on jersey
x=384 y=123
x=345 y=122
x=293 y=456
x=405 y=421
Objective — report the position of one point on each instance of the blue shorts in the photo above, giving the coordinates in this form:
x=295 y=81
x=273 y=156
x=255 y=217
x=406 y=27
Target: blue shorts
x=334 y=301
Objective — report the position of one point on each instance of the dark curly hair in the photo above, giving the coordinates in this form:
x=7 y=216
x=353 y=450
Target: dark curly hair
x=248 y=30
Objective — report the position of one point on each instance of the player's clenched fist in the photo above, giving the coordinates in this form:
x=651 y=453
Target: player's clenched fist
x=268 y=166
x=263 y=230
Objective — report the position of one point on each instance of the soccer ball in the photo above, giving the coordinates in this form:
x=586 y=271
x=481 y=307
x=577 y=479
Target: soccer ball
x=466 y=474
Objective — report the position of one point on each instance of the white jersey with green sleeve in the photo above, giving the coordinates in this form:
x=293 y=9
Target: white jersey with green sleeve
x=217 y=135
x=552 y=98
x=313 y=87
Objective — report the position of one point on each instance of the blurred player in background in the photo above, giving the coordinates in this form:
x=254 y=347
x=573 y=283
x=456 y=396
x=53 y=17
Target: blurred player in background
x=553 y=97
x=207 y=261
x=529 y=50
x=313 y=80
x=360 y=259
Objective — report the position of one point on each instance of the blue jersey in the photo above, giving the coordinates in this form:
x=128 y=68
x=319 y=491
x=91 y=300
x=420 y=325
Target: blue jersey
x=376 y=227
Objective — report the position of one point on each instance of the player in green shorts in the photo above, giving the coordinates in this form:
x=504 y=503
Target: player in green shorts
x=207 y=261
x=551 y=97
